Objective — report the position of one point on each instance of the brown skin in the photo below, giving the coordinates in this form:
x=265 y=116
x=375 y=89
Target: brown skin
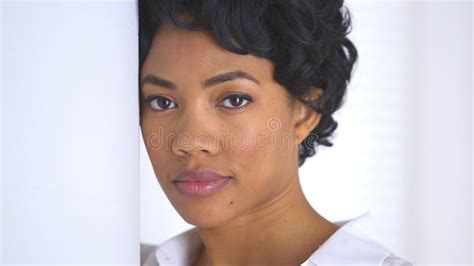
x=261 y=216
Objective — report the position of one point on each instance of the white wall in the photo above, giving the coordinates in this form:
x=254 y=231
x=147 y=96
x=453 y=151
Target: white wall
x=403 y=147
x=69 y=124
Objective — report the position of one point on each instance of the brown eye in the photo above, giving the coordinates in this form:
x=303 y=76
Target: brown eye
x=236 y=101
x=159 y=103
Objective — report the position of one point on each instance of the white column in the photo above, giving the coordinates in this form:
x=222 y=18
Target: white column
x=70 y=142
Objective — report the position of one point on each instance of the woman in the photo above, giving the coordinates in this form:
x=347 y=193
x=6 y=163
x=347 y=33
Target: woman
x=234 y=96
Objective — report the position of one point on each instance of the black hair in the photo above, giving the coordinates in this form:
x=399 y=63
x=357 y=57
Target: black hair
x=306 y=40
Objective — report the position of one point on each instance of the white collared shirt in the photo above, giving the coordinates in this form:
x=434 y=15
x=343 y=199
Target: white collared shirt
x=344 y=247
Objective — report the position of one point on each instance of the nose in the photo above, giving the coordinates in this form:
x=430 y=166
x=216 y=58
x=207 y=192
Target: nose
x=196 y=138
x=189 y=144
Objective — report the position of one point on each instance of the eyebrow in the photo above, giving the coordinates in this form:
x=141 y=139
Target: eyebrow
x=218 y=79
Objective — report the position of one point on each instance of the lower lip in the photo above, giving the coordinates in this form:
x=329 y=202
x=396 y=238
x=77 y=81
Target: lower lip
x=200 y=188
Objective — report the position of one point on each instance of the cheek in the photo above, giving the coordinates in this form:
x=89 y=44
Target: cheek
x=263 y=145
x=153 y=139
x=158 y=145
x=261 y=162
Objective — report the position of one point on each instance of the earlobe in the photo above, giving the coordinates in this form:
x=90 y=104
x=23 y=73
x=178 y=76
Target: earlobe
x=308 y=117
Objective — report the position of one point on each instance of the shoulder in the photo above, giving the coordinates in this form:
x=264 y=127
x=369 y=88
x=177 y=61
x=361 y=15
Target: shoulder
x=351 y=244
x=346 y=248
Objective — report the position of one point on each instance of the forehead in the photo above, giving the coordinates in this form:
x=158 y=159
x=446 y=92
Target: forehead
x=174 y=51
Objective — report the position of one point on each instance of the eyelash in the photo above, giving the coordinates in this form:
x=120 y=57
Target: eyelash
x=150 y=99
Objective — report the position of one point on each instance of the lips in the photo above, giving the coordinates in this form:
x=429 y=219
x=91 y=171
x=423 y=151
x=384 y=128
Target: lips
x=200 y=183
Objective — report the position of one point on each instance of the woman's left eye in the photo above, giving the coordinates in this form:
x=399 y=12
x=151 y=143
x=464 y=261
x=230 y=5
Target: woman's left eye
x=235 y=101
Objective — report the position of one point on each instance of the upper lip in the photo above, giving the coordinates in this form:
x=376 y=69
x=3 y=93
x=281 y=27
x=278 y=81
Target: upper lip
x=201 y=174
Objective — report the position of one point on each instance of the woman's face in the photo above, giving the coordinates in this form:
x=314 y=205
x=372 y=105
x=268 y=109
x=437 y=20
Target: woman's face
x=191 y=119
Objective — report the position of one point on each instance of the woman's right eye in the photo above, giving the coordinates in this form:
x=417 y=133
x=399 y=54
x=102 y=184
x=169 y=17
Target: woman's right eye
x=159 y=103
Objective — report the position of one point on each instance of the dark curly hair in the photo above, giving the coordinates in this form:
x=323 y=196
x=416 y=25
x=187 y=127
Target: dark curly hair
x=304 y=39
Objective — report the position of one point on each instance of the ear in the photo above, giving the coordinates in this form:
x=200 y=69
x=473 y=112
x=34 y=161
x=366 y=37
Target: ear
x=305 y=117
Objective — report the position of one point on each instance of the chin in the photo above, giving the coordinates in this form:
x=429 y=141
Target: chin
x=204 y=215
x=202 y=222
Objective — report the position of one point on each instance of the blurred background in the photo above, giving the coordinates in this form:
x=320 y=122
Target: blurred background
x=77 y=186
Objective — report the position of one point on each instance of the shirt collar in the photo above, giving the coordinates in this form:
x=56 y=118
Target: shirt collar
x=179 y=250
x=348 y=246
x=344 y=246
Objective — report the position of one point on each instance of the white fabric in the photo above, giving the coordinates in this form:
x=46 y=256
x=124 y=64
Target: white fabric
x=347 y=246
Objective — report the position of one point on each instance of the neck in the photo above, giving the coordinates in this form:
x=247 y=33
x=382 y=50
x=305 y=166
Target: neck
x=286 y=230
